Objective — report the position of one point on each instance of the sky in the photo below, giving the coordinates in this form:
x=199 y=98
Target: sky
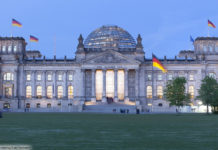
x=165 y=25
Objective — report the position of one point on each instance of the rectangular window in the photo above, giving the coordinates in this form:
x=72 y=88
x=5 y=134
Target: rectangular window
x=60 y=77
x=70 y=77
x=15 y=48
x=49 y=77
x=149 y=77
x=3 y=48
x=170 y=77
x=28 y=77
x=39 y=77
x=9 y=48
x=159 y=77
x=191 y=77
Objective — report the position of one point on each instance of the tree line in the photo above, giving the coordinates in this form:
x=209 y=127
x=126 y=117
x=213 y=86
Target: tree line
x=176 y=94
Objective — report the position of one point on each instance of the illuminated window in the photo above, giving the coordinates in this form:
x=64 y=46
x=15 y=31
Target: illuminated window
x=149 y=92
x=110 y=83
x=170 y=77
x=15 y=48
x=49 y=77
x=70 y=92
x=8 y=76
x=149 y=77
x=8 y=92
x=3 y=48
x=6 y=106
x=28 y=91
x=99 y=84
x=9 y=48
x=59 y=77
x=120 y=84
x=213 y=75
x=159 y=77
x=191 y=77
x=70 y=77
x=39 y=77
x=39 y=91
x=49 y=92
x=160 y=92
x=60 y=91
x=191 y=91
x=28 y=77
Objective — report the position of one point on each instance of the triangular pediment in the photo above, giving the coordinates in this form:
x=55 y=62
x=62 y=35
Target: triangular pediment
x=110 y=57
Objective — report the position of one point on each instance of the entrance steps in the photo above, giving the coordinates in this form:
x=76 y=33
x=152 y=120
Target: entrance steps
x=110 y=108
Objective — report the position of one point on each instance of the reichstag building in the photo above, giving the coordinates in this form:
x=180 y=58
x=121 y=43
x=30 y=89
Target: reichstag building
x=109 y=72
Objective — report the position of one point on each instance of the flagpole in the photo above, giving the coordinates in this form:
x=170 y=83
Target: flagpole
x=152 y=84
x=208 y=34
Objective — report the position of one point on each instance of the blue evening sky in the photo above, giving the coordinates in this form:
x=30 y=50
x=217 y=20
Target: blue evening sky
x=165 y=25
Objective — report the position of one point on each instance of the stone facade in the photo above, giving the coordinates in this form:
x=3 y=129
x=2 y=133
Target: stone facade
x=112 y=68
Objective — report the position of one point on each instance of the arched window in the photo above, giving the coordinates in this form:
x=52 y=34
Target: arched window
x=8 y=76
x=60 y=91
x=191 y=91
x=160 y=92
x=49 y=92
x=28 y=91
x=39 y=91
x=70 y=92
x=149 y=92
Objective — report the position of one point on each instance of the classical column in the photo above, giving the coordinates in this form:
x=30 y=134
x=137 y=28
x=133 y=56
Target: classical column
x=44 y=89
x=104 y=86
x=66 y=83
x=93 y=86
x=34 y=84
x=83 y=84
x=126 y=85
x=115 y=86
x=136 y=83
x=54 y=85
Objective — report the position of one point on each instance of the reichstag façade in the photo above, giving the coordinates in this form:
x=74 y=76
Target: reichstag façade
x=109 y=72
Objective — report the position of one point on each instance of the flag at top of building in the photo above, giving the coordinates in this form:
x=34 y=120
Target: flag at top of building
x=156 y=63
x=191 y=39
x=16 y=23
x=33 y=39
x=210 y=24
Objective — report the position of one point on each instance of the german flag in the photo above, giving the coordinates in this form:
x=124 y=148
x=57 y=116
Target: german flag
x=33 y=39
x=210 y=24
x=16 y=23
x=156 y=63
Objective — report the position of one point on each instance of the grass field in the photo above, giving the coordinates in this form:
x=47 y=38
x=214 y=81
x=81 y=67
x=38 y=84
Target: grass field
x=110 y=131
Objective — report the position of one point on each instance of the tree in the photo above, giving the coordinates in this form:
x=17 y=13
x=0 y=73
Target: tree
x=208 y=93
x=175 y=92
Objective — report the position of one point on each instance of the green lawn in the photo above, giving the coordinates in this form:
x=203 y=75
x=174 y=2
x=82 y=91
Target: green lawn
x=110 y=131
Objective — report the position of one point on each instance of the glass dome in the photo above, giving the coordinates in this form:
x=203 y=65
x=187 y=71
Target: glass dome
x=110 y=37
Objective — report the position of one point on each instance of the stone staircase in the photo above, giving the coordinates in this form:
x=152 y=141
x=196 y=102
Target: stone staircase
x=109 y=108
